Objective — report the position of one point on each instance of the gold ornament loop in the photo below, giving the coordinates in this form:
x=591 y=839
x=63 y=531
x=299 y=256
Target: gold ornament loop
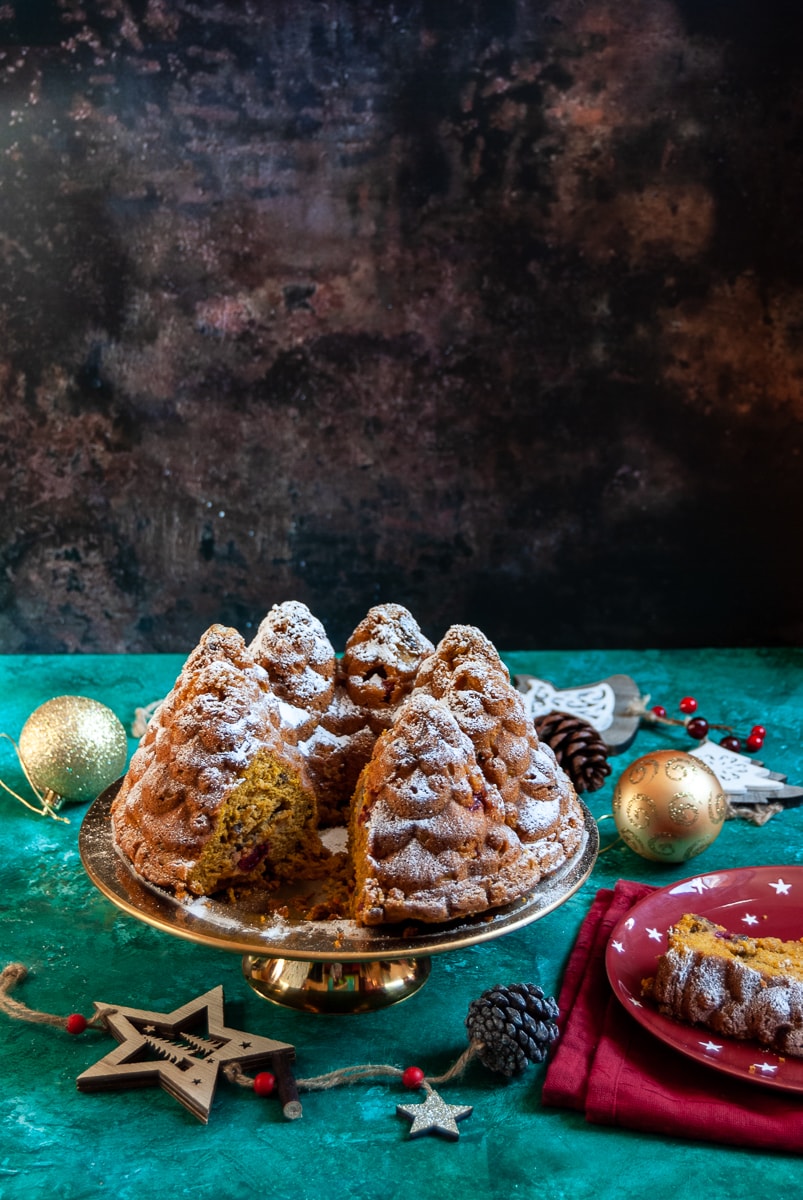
x=604 y=849
x=47 y=808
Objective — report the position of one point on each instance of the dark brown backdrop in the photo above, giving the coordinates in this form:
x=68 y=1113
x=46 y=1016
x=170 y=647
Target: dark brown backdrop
x=493 y=309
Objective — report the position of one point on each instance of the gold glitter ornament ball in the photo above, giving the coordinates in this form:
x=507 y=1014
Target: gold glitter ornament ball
x=73 y=747
x=669 y=806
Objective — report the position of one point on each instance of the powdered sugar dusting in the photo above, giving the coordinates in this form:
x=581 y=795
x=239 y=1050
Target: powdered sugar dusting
x=217 y=717
x=292 y=645
x=444 y=814
x=461 y=806
x=382 y=657
x=727 y=994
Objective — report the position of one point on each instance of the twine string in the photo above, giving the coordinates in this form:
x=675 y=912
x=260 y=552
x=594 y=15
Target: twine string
x=348 y=1075
x=14 y=973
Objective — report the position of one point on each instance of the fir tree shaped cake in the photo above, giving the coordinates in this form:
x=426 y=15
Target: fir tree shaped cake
x=215 y=792
x=460 y=808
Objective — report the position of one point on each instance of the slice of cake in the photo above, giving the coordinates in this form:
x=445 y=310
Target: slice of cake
x=739 y=986
x=215 y=794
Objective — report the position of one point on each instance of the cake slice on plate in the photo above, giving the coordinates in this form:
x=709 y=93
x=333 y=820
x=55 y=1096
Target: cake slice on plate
x=740 y=986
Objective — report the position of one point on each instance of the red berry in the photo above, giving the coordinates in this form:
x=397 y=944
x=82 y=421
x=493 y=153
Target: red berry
x=754 y=742
x=688 y=704
x=731 y=743
x=76 y=1023
x=658 y=710
x=413 y=1077
x=759 y=731
x=697 y=728
x=264 y=1083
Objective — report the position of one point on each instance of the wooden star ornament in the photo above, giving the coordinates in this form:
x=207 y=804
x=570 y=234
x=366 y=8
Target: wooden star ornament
x=167 y=1049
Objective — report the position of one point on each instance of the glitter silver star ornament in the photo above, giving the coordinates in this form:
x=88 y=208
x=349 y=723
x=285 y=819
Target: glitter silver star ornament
x=167 y=1049
x=435 y=1116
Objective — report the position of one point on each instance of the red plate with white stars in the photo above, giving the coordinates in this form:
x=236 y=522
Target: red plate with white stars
x=759 y=901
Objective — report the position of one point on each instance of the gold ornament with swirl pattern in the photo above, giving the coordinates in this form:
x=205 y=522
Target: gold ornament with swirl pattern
x=668 y=806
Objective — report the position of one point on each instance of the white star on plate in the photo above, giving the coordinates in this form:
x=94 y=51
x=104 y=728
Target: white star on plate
x=630 y=922
x=618 y=947
x=636 y=1003
x=781 y=888
x=654 y=934
x=712 y=1047
x=749 y=919
x=765 y=1068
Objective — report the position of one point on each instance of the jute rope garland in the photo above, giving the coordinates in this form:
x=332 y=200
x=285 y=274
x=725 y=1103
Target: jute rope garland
x=14 y=973
x=348 y=1075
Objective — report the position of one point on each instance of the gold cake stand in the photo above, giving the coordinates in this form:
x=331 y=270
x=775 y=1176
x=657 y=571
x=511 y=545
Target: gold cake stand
x=333 y=966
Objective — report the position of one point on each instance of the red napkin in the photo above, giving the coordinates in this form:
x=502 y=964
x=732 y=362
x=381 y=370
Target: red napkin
x=608 y=1066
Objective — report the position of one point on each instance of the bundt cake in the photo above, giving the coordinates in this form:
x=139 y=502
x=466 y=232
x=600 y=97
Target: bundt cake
x=381 y=662
x=428 y=836
x=540 y=802
x=215 y=793
x=736 y=985
x=452 y=804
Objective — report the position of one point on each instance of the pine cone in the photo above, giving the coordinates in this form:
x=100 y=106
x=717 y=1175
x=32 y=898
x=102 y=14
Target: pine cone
x=512 y=1026
x=578 y=747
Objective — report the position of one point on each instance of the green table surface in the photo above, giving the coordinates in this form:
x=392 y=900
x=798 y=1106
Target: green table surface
x=80 y=948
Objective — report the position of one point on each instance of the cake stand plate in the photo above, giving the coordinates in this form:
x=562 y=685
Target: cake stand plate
x=318 y=966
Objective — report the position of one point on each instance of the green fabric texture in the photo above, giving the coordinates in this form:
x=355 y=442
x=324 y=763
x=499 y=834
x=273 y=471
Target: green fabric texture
x=79 y=948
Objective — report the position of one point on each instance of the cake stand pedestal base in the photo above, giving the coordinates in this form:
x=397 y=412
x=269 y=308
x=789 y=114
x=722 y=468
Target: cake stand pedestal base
x=335 y=987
